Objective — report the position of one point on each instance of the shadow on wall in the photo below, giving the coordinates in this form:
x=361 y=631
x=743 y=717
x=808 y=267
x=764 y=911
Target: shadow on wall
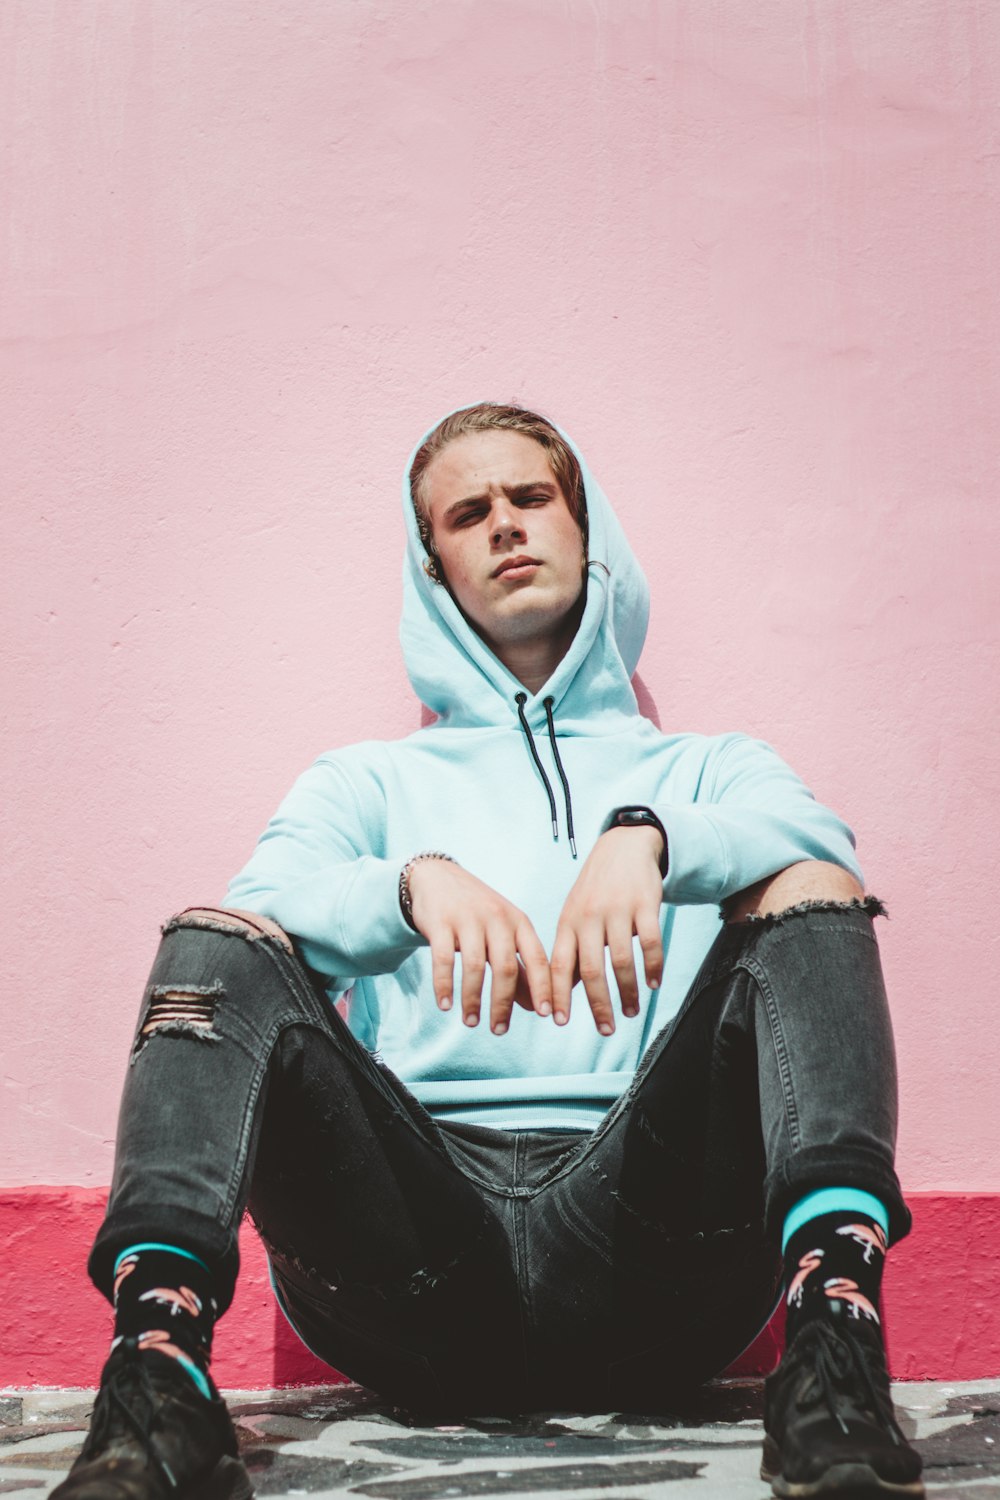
x=644 y=697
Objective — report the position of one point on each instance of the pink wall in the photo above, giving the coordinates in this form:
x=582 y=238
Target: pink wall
x=53 y=1229
x=746 y=255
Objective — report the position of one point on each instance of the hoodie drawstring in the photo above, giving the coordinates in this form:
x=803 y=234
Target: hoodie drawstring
x=521 y=699
x=547 y=705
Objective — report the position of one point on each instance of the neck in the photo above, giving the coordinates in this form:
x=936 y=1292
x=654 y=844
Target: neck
x=532 y=661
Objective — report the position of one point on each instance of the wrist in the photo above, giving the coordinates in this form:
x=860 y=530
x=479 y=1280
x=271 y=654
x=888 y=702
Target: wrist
x=405 y=877
x=644 y=818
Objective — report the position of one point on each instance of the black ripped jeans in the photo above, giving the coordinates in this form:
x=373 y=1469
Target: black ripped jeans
x=464 y=1268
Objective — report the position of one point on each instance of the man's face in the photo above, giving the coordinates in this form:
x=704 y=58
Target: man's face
x=507 y=543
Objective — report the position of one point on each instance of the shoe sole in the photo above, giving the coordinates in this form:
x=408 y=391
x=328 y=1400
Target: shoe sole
x=859 y=1481
x=229 y=1480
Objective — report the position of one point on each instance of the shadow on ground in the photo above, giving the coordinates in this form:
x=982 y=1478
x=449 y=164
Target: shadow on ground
x=336 y=1440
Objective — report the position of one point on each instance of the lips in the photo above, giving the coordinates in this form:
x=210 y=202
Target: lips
x=511 y=564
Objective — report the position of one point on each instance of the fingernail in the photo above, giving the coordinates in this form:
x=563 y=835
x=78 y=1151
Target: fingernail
x=560 y=1018
x=605 y=1028
x=472 y=1020
x=499 y=1027
x=545 y=1009
x=445 y=1002
x=630 y=1011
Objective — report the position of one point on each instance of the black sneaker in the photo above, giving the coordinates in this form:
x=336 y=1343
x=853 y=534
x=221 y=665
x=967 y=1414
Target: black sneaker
x=154 y=1437
x=829 y=1421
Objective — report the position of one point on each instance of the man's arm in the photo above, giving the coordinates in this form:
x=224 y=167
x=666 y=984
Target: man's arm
x=757 y=818
x=317 y=872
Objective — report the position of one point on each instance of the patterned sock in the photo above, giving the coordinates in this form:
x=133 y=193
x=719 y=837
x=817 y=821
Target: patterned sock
x=163 y=1299
x=833 y=1264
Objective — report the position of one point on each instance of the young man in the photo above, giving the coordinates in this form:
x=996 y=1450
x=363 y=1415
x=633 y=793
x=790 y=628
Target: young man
x=590 y=1199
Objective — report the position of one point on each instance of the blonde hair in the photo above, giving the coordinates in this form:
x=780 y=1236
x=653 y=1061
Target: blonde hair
x=485 y=416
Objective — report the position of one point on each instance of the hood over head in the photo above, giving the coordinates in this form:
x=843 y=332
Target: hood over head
x=459 y=678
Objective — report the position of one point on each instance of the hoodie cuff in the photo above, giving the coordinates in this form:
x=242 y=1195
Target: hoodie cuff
x=372 y=922
x=699 y=864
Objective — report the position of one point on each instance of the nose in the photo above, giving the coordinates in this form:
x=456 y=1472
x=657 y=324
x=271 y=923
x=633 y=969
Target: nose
x=507 y=524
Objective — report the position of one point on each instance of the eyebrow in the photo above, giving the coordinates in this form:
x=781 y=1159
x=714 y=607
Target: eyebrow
x=512 y=491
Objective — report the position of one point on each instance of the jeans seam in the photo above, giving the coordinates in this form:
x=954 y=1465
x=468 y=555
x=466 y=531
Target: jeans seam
x=518 y=1225
x=308 y=1013
x=781 y=1055
x=519 y=1210
x=246 y=1125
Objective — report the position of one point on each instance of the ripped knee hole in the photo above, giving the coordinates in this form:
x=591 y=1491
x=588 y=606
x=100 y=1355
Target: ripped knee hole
x=182 y=1006
x=871 y=906
x=246 y=924
x=177 y=1010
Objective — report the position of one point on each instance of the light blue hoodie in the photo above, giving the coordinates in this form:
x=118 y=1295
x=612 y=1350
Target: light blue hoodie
x=327 y=867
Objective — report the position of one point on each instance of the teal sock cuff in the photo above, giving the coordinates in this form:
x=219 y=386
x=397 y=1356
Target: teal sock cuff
x=152 y=1245
x=197 y=1375
x=834 y=1200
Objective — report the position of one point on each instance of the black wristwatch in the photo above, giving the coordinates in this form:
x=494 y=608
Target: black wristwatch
x=641 y=817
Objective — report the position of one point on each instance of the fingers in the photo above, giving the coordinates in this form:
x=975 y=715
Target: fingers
x=647 y=930
x=522 y=992
x=443 y=969
x=594 y=976
x=518 y=966
x=623 y=964
x=520 y=973
x=536 y=974
x=458 y=914
x=579 y=953
x=563 y=969
x=505 y=970
x=473 y=951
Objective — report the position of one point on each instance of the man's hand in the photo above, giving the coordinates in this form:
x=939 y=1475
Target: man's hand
x=459 y=914
x=617 y=894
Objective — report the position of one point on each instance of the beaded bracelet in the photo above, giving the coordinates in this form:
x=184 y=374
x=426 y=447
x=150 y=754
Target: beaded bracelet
x=405 y=899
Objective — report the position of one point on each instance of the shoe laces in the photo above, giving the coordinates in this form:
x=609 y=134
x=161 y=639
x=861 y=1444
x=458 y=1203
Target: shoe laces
x=837 y=1356
x=130 y=1396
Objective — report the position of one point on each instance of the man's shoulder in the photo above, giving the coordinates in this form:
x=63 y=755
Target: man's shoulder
x=360 y=758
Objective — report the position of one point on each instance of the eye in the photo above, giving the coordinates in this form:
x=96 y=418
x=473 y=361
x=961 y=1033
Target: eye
x=532 y=500
x=467 y=517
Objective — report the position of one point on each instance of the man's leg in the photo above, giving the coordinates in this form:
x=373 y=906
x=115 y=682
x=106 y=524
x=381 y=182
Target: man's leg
x=829 y=1416
x=776 y=1079
x=244 y=1083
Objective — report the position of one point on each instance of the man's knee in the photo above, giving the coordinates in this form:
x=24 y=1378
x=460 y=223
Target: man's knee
x=809 y=880
x=227 y=919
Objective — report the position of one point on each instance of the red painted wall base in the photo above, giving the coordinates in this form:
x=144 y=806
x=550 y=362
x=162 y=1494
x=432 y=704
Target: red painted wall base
x=942 y=1308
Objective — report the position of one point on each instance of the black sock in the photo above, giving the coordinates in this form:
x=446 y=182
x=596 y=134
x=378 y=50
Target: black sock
x=833 y=1267
x=163 y=1300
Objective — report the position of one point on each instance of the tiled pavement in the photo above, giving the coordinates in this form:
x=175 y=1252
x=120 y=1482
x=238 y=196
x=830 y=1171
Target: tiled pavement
x=341 y=1440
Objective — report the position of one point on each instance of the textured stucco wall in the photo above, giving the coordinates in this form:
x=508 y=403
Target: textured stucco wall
x=745 y=254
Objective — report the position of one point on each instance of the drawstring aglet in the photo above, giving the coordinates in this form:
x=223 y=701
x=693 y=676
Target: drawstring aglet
x=555 y=830
x=572 y=846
